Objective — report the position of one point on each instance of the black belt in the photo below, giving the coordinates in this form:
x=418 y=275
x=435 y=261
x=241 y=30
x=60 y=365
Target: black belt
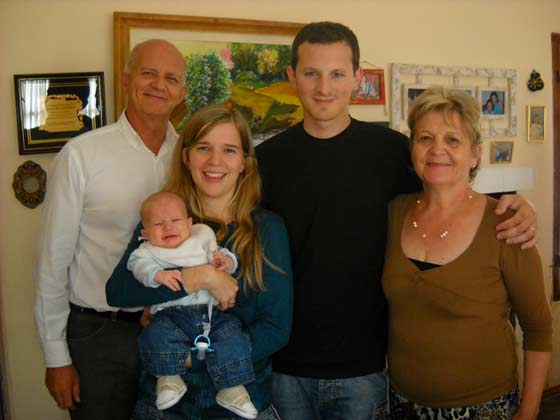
x=112 y=315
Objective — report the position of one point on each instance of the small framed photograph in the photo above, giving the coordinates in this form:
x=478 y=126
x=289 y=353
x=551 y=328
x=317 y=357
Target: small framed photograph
x=53 y=108
x=493 y=100
x=535 y=122
x=469 y=90
x=371 y=90
x=410 y=93
x=501 y=151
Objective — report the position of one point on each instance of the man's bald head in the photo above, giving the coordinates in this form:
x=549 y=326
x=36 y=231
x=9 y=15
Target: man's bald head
x=156 y=46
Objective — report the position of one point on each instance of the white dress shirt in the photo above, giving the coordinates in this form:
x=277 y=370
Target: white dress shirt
x=146 y=260
x=95 y=188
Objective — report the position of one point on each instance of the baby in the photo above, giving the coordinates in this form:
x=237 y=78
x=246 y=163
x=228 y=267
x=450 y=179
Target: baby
x=174 y=242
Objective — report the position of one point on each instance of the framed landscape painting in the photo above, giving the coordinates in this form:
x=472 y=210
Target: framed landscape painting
x=237 y=61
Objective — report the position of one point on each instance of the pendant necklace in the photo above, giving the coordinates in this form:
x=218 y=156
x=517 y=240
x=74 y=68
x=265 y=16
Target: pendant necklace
x=445 y=232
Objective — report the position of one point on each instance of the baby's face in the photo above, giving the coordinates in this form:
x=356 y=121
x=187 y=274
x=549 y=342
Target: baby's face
x=167 y=223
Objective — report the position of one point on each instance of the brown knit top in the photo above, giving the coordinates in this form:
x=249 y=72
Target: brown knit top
x=450 y=341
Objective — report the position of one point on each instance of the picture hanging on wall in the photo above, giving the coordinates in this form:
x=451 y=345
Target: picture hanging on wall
x=500 y=114
x=30 y=184
x=53 y=108
x=371 y=90
x=501 y=151
x=244 y=63
x=535 y=123
x=469 y=90
x=493 y=100
x=410 y=93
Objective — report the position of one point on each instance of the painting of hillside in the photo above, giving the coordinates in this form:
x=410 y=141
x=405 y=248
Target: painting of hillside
x=250 y=77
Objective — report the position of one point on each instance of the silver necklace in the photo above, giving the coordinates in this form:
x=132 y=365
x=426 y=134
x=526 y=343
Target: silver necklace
x=444 y=233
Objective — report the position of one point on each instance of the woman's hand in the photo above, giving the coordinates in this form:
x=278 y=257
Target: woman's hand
x=522 y=226
x=526 y=414
x=535 y=369
x=222 y=286
x=222 y=262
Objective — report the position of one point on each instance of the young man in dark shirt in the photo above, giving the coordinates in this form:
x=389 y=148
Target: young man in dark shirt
x=331 y=177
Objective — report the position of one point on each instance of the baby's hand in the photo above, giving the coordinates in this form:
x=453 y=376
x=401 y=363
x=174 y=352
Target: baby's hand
x=170 y=278
x=222 y=262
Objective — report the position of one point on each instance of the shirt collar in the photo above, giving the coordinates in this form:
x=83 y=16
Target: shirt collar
x=132 y=137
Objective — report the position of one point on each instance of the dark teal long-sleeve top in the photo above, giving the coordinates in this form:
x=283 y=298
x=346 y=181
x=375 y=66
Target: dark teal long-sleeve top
x=266 y=317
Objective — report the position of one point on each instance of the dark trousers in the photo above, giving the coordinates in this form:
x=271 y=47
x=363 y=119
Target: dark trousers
x=105 y=354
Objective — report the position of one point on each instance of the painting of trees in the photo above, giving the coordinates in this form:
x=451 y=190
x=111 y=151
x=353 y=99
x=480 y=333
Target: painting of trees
x=251 y=77
x=208 y=82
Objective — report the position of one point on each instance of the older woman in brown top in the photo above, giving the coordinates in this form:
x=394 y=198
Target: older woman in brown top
x=451 y=284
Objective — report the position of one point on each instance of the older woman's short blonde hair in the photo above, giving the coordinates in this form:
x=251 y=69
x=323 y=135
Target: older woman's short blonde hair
x=448 y=101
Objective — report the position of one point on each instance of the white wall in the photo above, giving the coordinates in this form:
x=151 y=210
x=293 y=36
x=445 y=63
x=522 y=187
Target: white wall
x=42 y=36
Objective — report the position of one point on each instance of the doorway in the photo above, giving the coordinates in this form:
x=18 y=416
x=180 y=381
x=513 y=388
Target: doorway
x=556 y=164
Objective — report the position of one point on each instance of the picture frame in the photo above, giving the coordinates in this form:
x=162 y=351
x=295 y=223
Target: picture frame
x=371 y=90
x=452 y=77
x=501 y=151
x=494 y=102
x=53 y=108
x=30 y=184
x=469 y=90
x=536 y=123
x=274 y=111
x=410 y=92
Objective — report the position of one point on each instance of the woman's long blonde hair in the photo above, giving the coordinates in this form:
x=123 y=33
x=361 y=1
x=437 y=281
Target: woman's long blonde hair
x=245 y=240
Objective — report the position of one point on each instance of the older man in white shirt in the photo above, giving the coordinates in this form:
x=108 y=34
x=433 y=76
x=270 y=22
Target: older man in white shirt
x=95 y=188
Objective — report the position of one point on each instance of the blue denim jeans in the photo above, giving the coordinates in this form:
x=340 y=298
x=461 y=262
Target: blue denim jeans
x=166 y=342
x=105 y=353
x=358 y=398
x=143 y=411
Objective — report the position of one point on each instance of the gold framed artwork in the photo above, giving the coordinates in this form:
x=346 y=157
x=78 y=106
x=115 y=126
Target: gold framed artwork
x=53 y=108
x=501 y=151
x=252 y=56
x=536 y=120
